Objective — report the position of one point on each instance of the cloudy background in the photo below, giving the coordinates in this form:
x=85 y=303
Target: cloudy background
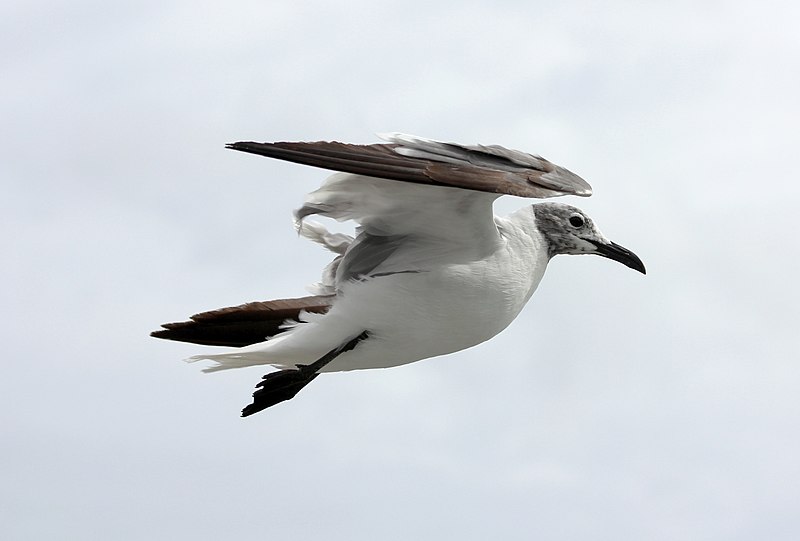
x=617 y=406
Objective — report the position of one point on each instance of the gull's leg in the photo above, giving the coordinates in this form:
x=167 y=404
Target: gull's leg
x=283 y=385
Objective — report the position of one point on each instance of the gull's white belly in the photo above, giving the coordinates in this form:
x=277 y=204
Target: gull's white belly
x=413 y=316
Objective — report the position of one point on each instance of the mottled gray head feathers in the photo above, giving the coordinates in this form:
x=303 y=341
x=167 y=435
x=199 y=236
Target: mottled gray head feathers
x=568 y=230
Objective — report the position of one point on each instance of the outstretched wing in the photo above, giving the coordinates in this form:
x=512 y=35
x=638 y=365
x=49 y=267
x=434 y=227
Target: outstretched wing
x=408 y=158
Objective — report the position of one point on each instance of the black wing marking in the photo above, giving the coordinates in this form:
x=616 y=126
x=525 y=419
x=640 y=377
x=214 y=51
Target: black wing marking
x=242 y=325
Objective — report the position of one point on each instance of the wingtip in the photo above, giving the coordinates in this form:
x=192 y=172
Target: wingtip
x=238 y=145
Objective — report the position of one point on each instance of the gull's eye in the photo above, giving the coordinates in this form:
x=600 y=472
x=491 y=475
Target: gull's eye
x=576 y=220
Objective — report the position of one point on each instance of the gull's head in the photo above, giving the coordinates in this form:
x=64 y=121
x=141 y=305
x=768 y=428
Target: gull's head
x=568 y=230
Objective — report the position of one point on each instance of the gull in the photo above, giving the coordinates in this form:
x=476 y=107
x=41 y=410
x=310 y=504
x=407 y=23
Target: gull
x=431 y=270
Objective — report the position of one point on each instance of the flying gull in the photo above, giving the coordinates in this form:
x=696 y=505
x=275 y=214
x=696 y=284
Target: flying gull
x=430 y=271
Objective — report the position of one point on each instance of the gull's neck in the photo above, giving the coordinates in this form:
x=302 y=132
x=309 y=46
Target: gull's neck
x=527 y=247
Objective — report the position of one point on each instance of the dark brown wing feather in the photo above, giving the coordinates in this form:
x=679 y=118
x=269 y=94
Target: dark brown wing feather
x=242 y=325
x=377 y=160
x=473 y=169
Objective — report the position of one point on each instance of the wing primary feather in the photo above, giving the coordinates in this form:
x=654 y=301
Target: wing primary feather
x=371 y=160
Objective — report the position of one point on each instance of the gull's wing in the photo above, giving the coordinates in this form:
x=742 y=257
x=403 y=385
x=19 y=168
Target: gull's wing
x=242 y=325
x=403 y=227
x=440 y=212
x=408 y=158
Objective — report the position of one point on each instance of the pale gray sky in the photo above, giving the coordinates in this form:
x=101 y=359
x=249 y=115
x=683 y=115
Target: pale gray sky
x=616 y=407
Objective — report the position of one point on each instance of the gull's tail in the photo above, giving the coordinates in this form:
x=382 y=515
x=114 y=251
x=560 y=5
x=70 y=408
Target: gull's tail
x=239 y=326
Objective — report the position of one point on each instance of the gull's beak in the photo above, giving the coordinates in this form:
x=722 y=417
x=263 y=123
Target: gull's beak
x=614 y=251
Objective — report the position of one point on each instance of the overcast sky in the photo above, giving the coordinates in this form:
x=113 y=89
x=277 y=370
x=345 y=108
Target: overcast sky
x=617 y=406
